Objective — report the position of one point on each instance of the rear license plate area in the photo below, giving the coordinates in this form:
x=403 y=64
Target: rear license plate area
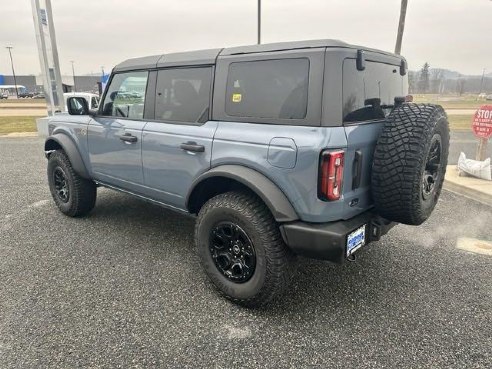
x=356 y=239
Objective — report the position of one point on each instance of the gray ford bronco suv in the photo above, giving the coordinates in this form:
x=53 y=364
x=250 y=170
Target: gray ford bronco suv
x=302 y=148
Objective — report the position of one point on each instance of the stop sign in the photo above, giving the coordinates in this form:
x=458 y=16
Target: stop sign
x=482 y=122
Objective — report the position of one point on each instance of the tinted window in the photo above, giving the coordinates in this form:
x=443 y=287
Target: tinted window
x=362 y=88
x=268 y=89
x=126 y=95
x=76 y=107
x=182 y=95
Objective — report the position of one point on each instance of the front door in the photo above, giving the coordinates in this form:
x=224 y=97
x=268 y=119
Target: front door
x=115 y=136
x=177 y=144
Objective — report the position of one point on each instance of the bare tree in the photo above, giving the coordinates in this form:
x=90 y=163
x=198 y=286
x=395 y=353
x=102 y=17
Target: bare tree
x=460 y=86
x=437 y=80
x=401 y=26
x=424 y=79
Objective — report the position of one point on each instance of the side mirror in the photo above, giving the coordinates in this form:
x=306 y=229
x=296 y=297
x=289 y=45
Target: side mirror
x=77 y=106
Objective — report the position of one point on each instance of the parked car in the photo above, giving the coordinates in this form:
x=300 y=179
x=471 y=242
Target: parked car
x=299 y=148
x=3 y=95
x=489 y=97
x=39 y=95
x=25 y=95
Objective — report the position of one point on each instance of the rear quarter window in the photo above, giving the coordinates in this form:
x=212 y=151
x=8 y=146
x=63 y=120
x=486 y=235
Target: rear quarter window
x=276 y=89
x=376 y=81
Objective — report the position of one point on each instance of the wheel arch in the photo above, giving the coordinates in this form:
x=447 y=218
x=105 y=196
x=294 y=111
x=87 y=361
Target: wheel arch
x=63 y=142
x=230 y=177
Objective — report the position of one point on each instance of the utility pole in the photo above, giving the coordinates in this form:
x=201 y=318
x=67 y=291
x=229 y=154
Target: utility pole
x=13 y=72
x=73 y=76
x=401 y=26
x=481 y=83
x=44 y=27
x=259 y=22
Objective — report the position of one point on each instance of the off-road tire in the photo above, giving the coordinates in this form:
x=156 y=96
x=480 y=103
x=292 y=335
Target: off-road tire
x=273 y=258
x=400 y=159
x=82 y=192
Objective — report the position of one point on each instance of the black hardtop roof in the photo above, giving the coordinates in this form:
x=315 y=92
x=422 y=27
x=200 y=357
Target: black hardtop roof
x=209 y=56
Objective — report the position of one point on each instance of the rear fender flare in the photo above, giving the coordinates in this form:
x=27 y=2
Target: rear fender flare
x=278 y=203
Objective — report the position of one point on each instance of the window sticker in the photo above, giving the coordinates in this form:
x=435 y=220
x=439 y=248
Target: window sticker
x=236 y=98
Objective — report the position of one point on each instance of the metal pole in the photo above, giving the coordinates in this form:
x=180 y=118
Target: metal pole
x=54 y=52
x=401 y=26
x=73 y=76
x=43 y=57
x=259 y=22
x=481 y=149
x=13 y=72
x=481 y=83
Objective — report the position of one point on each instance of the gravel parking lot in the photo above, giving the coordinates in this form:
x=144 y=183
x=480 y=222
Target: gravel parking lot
x=123 y=288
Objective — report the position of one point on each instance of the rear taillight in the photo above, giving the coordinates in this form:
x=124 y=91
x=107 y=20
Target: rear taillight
x=330 y=175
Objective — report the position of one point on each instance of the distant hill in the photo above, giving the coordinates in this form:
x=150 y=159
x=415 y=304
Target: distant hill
x=451 y=74
x=450 y=81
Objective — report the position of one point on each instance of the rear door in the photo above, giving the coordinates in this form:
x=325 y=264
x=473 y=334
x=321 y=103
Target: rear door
x=379 y=83
x=177 y=143
x=115 y=136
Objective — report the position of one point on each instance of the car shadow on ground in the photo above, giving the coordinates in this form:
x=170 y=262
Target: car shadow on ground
x=395 y=275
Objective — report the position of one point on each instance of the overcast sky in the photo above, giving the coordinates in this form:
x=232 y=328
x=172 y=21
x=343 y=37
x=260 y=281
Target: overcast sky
x=452 y=34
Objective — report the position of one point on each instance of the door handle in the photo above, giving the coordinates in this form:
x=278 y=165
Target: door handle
x=127 y=137
x=192 y=146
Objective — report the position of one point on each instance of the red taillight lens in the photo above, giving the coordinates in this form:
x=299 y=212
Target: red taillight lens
x=330 y=175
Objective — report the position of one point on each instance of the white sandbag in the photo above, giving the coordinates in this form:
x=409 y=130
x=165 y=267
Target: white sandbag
x=475 y=168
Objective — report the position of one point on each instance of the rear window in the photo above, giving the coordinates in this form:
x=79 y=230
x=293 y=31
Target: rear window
x=183 y=94
x=276 y=89
x=361 y=88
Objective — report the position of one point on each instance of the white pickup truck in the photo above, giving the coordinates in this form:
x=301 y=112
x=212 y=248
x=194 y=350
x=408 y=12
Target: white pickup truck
x=92 y=99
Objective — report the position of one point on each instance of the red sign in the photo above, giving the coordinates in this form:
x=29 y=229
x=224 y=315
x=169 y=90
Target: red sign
x=482 y=122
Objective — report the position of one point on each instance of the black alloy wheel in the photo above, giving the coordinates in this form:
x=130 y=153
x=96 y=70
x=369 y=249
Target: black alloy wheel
x=73 y=195
x=232 y=252
x=241 y=249
x=61 y=184
x=432 y=170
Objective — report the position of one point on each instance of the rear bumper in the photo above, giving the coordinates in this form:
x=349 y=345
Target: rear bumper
x=327 y=241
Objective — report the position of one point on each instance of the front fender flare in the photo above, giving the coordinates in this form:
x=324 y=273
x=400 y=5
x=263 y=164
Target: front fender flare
x=280 y=206
x=67 y=144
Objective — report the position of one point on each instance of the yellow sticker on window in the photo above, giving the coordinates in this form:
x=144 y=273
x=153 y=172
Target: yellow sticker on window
x=236 y=97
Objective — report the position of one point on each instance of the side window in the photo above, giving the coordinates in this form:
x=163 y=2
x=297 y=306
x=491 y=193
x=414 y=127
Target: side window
x=365 y=93
x=275 y=89
x=126 y=95
x=94 y=102
x=182 y=95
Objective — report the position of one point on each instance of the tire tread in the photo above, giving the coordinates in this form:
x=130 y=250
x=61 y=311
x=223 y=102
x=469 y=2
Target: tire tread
x=279 y=258
x=399 y=161
x=83 y=191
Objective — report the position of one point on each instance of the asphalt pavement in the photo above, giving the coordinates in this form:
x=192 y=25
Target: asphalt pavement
x=123 y=288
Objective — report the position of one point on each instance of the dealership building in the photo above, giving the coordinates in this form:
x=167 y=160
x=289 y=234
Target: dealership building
x=34 y=84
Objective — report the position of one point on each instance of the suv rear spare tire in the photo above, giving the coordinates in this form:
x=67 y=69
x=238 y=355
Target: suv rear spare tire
x=410 y=163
